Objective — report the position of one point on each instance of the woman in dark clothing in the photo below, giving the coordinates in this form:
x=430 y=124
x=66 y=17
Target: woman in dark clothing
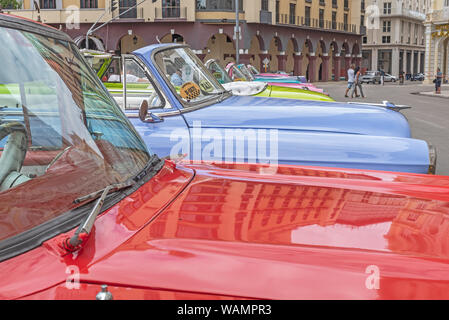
x=357 y=83
x=438 y=81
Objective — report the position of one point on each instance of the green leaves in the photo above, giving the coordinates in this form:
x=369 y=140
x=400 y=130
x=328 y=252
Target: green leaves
x=11 y=4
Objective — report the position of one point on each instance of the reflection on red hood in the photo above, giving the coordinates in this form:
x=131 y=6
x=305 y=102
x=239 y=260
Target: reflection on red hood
x=229 y=231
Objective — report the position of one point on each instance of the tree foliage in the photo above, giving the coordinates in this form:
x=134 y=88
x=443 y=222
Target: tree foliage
x=11 y=4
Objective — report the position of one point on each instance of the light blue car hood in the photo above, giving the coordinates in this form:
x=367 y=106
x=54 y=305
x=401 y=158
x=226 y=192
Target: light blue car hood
x=300 y=115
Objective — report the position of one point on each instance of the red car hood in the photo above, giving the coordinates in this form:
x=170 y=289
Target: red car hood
x=302 y=233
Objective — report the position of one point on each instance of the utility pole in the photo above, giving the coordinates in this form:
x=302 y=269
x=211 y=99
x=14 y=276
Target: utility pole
x=113 y=3
x=237 y=32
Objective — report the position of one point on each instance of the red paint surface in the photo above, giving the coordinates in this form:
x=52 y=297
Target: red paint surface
x=229 y=231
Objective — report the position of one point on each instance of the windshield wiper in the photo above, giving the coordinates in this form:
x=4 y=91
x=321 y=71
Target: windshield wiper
x=79 y=238
x=222 y=94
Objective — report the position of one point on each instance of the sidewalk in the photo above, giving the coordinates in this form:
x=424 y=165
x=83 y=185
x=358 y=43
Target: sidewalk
x=444 y=94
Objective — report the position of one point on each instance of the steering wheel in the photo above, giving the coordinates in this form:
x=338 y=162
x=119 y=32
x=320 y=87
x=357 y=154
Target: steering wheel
x=14 y=151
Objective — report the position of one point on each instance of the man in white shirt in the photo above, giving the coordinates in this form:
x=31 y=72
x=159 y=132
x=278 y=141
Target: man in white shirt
x=351 y=79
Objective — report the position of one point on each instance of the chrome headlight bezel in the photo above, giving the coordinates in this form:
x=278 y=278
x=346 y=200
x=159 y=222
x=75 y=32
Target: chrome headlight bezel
x=432 y=159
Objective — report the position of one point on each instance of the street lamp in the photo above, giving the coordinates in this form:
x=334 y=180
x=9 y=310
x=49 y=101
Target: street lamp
x=237 y=32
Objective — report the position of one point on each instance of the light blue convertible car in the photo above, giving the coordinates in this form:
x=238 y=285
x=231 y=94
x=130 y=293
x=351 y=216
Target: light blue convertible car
x=183 y=110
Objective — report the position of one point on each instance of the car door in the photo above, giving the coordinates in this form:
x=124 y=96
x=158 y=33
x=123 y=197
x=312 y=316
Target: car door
x=162 y=127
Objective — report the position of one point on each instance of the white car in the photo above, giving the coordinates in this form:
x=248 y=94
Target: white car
x=390 y=78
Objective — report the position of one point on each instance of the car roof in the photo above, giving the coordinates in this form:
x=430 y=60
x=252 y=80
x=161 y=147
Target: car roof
x=148 y=50
x=20 y=23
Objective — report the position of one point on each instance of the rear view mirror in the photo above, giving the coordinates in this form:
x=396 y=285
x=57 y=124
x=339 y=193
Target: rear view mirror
x=143 y=110
x=146 y=116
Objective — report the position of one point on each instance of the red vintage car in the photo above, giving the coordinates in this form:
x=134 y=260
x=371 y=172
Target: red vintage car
x=85 y=204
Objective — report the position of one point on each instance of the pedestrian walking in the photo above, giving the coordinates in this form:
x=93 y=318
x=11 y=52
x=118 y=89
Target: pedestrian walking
x=357 y=83
x=437 y=81
x=382 y=76
x=350 y=79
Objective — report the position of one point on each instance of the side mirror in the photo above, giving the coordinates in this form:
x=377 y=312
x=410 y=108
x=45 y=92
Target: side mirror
x=143 y=110
x=146 y=116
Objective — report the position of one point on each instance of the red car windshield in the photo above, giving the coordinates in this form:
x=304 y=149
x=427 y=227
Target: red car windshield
x=62 y=136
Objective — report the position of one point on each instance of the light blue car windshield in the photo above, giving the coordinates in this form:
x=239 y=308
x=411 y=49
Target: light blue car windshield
x=74 y=141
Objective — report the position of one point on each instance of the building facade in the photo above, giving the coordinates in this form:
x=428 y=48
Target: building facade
x=437 y=40
x=316 y=38
x=395 y=36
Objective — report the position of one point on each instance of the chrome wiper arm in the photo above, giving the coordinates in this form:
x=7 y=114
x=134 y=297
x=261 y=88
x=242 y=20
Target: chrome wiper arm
x=222 y=94
x=83 y=232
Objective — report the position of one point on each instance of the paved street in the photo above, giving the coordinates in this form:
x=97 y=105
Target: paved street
x=428 y=118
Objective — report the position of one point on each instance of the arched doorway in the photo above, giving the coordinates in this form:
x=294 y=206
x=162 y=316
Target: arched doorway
x=307 y=49
x=292 y=48
x=320 y=52
x=355 y=54
x=345 y=54
x=129 y=43
x=333 y=66
x=172 y=38
x=257 y=45
x=94 y=43
x=274 y=51
x=220 y=47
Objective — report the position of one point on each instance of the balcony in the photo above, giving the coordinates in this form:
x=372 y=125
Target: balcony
x=55 y=16
x=218 y=5
x=134 y=13
x=403 y=12
x=363 y=30
x=439 y=16
x=300 y=21
x=170 y=13
x=265 y=17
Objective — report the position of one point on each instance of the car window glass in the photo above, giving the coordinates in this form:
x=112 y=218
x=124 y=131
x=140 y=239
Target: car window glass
x=188 y=76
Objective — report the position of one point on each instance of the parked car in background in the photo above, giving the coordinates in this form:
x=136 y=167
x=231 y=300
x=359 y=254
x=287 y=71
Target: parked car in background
x=88 y=212
x=241 y=72
x=389 y=78
x=308 y=132
x=417 y=77
x=107 y=67
x=261 y=89
x=279 y=74
x=371 y=77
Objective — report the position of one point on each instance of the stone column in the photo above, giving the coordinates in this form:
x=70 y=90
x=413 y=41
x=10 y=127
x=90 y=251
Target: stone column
x=262 y=57
x=430 y=55
x=325 y=67
x=412 y=64
x=394 y=65
x=245 y=58
x=282 y=61
x=200 y=54
x=312 y=66
x=358 y=61
x=347 y=64
x=297 y=66
x=374 y=59
x=404 y=62
x=337 y=66
x=418 y=63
